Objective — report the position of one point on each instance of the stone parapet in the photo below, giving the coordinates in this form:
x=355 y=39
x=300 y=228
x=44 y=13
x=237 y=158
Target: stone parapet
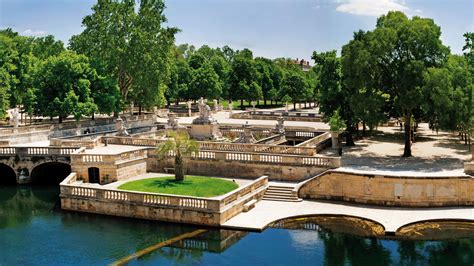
x=162 y=207
x=407 y=191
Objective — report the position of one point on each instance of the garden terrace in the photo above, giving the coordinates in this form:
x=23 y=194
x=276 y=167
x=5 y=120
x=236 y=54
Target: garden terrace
x=164 y=207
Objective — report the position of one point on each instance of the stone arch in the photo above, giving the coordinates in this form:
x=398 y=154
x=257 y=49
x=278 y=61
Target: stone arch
x=8 y=176
x=50 y=173
x=372 y=227
x=437 y=229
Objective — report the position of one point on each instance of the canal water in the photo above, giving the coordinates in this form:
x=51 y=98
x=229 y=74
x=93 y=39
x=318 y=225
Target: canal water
x=34 y=231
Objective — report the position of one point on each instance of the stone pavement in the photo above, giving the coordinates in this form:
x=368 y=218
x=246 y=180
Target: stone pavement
x=392 y=218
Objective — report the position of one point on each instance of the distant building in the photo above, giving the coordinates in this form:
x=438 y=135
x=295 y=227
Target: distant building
x=302 y=63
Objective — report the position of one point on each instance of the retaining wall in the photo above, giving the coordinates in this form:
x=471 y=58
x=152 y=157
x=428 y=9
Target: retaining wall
x=407 y=191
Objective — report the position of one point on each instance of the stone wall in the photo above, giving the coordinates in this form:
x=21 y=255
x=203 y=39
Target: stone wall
x=161 y=207
x=239 y=168
x=111 y=167
x=390 y=190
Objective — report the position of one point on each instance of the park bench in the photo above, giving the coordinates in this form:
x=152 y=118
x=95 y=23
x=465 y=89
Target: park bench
x=169 y=170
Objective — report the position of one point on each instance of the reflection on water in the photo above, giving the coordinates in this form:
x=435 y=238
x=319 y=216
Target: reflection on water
x=35 y=231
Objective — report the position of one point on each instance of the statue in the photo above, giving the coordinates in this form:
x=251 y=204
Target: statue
x=15 y=118
x=246 y=135
x=280 y=128
x=205 y=126
x=231 y=106
x=172 y=122
x=216 y=107
x=120 y=126
x=189 y=108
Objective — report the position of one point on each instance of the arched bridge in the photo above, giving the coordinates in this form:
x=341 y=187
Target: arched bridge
x=23 y=164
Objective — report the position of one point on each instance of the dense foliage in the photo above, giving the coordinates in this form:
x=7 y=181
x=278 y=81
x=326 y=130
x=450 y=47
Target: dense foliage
x=399 y=70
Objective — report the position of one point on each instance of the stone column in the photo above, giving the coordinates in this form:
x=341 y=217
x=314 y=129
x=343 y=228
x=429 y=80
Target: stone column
x=215 y=106
x=231 y=106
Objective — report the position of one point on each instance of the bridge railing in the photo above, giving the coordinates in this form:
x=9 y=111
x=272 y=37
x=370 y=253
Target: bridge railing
x=69 y=189
x=33 y=151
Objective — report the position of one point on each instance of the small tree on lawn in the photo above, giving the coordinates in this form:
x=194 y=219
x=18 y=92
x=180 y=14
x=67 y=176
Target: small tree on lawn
x=336 y=126
x=182 y=146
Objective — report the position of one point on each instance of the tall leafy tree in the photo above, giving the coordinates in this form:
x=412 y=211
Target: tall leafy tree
x=65 y=83
x=205 y=83
x=131 y=43
x=243 y=78
x=404 y=49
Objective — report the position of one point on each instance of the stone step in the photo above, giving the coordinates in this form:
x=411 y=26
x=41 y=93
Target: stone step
x=282 y=199
x=279 y=194
x=279 y=191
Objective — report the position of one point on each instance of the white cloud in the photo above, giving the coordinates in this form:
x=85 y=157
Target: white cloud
x=31 y=32
x=370 y=7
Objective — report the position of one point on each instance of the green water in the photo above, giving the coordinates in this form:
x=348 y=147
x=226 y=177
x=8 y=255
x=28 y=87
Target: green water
x=34 y=231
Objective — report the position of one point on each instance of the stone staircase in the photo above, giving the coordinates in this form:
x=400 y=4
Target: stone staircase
x=279 y=192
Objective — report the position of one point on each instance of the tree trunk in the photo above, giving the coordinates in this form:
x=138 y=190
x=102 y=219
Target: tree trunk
x=93 y=116
x=178 y=167
x=265 y=102
x=363 y=128
x=241 y=104
x=407 y=149
x=60 y=119
x=349 y=136
x=294 y=106
x=139 y=109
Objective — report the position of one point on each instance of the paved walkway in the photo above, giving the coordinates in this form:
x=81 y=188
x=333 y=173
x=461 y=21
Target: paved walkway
x=223 y=119
x=266 y=212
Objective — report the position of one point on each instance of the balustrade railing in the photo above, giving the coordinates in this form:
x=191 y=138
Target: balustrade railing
x=32 y=151
x=70 y=189
x=218 y=146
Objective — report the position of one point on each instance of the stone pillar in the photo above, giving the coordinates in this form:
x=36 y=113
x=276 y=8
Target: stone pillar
x=286 y=107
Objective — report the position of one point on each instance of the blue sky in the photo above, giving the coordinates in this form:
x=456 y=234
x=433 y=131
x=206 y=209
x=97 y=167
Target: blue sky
x=271 y=28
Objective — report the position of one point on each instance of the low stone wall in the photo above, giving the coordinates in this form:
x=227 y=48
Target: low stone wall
x=319 y=143
x=219 y=146
x=161 y=207
x=249 y=165
x=271 y=115
x=25 y=137
x=390 y=190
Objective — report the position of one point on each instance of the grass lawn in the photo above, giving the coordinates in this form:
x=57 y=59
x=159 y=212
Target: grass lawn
x=198 y=186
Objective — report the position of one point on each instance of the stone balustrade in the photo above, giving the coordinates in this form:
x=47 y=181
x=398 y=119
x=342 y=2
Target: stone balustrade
x=243 y=191
x=24 y=129
x=219 y=146
x=89 y=144
x=35 y=151
x=274 y=159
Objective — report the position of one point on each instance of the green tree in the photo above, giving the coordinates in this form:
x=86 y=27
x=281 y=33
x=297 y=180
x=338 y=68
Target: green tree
x=65 y=85
x=182 y=146
x=263 y=66
x=131 y=43
x=404 y=49
x=294 y=85
x=243 y=78
x=44 y=47
x=205 y=83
